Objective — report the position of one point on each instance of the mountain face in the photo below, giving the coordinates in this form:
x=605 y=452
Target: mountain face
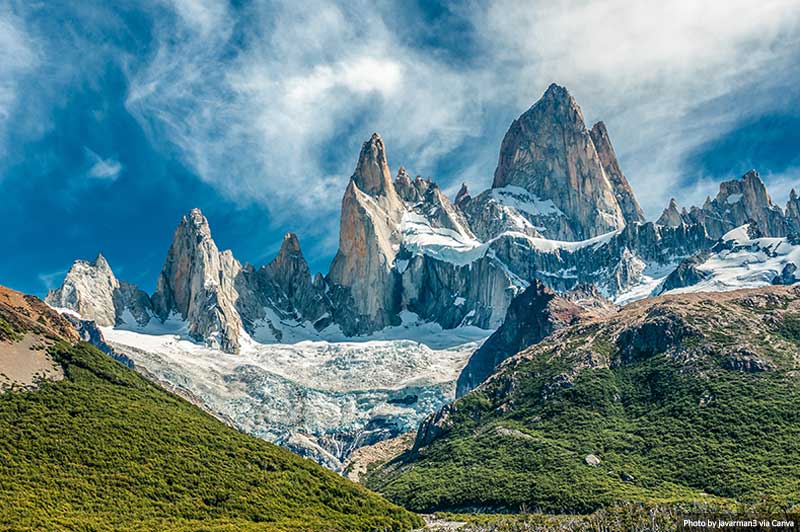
x=368 y=242
x=549 y=152
x=118 y=453
x=739 y=201
x=531 y=316
x=198 y=283
x=634 y=406
x=742 y=258
x=92 y=290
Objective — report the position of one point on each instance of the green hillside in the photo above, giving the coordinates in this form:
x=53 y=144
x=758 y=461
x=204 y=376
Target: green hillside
x=692 y=398
x=104 y=449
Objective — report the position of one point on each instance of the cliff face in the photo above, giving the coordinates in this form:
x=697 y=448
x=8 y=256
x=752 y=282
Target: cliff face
x=622 y=189
x=531 y=316
x=369 y=238
x=88 y=289
x=197 y=282
x=92 y=290
x=549 y=152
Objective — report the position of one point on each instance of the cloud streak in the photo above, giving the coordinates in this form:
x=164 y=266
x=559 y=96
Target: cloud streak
x=18 y=59
x=268 y=102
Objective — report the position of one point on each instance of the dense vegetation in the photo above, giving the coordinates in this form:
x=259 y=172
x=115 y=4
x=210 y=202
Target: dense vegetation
x=630 y=517
x=7 y=332
x=104 y=449
x=699 y=402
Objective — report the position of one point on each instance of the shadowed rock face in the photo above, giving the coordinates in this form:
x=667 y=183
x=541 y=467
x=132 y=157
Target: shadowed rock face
x=531 y=316
x=622 y=189
x=549 y=152
x=672 y=216
x=686 y=274
x=793 y=212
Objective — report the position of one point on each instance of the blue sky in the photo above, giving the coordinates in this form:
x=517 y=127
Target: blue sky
x=114 y=121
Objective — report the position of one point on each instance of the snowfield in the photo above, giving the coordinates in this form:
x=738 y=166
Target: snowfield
x=321 y=397
x=744 y=262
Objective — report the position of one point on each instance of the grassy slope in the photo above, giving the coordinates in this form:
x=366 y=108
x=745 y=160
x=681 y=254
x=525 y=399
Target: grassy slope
x=684 y=427
x=104 y=449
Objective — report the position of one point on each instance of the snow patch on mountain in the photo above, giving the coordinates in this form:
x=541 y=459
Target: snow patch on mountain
x=739 y=261
x=523 y=201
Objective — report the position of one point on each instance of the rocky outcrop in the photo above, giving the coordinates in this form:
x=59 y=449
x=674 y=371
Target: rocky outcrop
x=289 y=271
x=133 y=306
x=92 y=290
x=531 y=316
x=738 y=202
x=787 y=275
x=671 y=216
x=88 y=289
x=198 y=283
x=454 y=294
x=440 y=212
x=622 y=189
x=549 y=152
x=463 y=195
x=793 y=212
x=495 y=211
x=686 y=274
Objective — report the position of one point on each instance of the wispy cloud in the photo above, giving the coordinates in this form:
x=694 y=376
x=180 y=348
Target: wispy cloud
x=52 y=280
x=18 y=58
x=104 y=169
x=279 y=119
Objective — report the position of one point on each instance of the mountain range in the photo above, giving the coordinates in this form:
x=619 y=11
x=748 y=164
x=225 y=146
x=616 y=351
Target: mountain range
x=559 y=229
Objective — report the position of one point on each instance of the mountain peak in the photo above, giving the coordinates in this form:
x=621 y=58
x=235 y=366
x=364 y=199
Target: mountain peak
x=671 y=216
x=101 y=262
x=196 y=282
x=549 y=152
x=372 y=175
x=557 y=92
x=290 y=245
x=463 y=194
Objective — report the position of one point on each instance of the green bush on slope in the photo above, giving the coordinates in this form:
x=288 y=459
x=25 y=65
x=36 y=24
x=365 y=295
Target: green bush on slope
x=104 y=449
x=667 y=427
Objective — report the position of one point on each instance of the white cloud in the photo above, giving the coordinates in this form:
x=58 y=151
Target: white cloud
x=103 y=169
x=17 y=59
x=203 y=16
